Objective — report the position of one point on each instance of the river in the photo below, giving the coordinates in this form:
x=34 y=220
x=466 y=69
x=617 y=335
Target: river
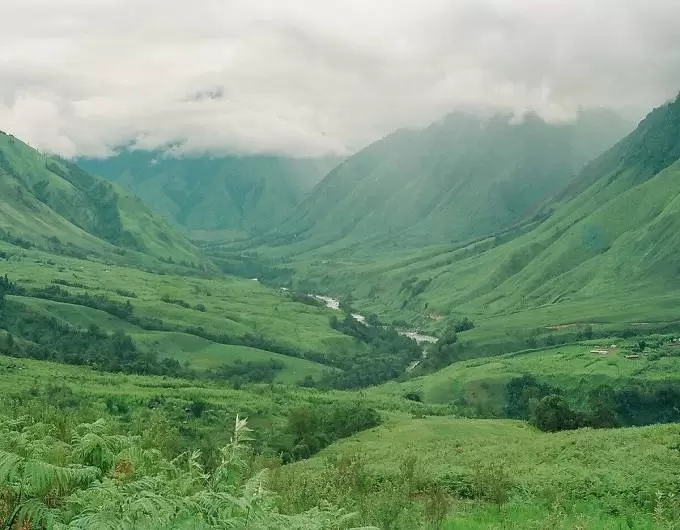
x=334 y=303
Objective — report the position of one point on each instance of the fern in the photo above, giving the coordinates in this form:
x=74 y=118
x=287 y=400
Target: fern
x=39 y=478
x=93 y=450
x=109 y=482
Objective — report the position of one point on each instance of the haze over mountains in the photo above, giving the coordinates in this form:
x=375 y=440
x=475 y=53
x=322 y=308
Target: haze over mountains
x=463 y=177
x=611 y=234
x=241 y=193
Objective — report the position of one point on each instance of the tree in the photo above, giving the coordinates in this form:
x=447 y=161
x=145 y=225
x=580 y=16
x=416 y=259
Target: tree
x=522 y=393
x=463 y=325
x=6 y=287
x=602 y=403
x=553 y=414
x=373 y=320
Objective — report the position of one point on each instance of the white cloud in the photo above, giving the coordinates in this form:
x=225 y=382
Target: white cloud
x=315 y=76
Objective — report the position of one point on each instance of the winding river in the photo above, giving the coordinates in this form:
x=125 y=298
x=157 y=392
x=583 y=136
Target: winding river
x=334 y=303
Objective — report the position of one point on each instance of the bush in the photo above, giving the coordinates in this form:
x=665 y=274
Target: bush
x=463 y=325
x=493 y=483
x=553 y=414
x=523 y=393
x=310 y=429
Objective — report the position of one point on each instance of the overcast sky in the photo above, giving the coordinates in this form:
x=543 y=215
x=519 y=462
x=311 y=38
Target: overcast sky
x=309 y=77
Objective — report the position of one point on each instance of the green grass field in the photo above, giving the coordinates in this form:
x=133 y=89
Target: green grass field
x=202 y=354
x=232 y=306
x=472 y=474
x=579 y=479
x=263 y=404
x=573 y=368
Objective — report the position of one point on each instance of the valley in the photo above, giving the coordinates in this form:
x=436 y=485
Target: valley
x=496 y=348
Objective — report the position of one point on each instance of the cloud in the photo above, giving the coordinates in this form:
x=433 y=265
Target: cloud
x=311 y=77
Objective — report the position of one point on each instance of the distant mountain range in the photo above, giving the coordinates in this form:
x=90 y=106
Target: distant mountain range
x=470 y=215
x=241 y=193
x=461 y=178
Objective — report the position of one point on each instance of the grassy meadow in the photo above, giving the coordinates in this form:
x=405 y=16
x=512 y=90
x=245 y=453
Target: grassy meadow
x=479 y=384
x=423 y=466
x=515 y=429
x=416 y=470
x=218 y=305
x=505 y=474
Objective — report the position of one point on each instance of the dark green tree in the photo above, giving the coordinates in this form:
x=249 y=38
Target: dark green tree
x=553 y=413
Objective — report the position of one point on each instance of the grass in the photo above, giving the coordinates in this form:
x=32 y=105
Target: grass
x=232 y=306
x=596 y=478
x=202 y=354
x=481 y=382
x=51 y=204
x=261 y=403
x=587 y=478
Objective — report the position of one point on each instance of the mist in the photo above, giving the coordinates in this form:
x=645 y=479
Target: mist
x=313 y=78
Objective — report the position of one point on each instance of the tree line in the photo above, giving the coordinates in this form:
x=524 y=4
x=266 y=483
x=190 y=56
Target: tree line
x=633 y=403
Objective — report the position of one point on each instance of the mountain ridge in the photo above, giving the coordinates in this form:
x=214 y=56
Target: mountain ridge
x=460 y=178
x=54 y=204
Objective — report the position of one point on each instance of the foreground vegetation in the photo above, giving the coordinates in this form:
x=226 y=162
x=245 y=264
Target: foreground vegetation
x=500 y=474
x=130 y=451
x=103 y=480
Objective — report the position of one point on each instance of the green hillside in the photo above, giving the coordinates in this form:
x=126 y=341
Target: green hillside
x=479 y=386
x=204 y=322
x=503 y=474
x=53 y=204
x=461 y=178
x=603 y=252
x=238 y=193
x=617 y=237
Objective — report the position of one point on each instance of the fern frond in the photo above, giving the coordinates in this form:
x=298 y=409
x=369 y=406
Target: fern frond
x=36 y=513
x=93 y=450
x=11 y=467
x=144 y=461
x=255 y=487
x=42 y=477
x=96 y=427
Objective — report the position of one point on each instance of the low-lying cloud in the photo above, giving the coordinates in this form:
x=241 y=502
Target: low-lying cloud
x=309 y=77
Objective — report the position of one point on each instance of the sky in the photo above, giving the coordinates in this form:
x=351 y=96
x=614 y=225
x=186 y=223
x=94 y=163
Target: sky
x=315 y=77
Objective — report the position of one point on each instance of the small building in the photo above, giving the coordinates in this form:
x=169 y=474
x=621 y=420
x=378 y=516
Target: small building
x=632 y=356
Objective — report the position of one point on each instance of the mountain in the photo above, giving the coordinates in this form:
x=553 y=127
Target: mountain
x=247 y=193
x=461 y=178
x=52 y=203
x=605 y=249
x=615 y=229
